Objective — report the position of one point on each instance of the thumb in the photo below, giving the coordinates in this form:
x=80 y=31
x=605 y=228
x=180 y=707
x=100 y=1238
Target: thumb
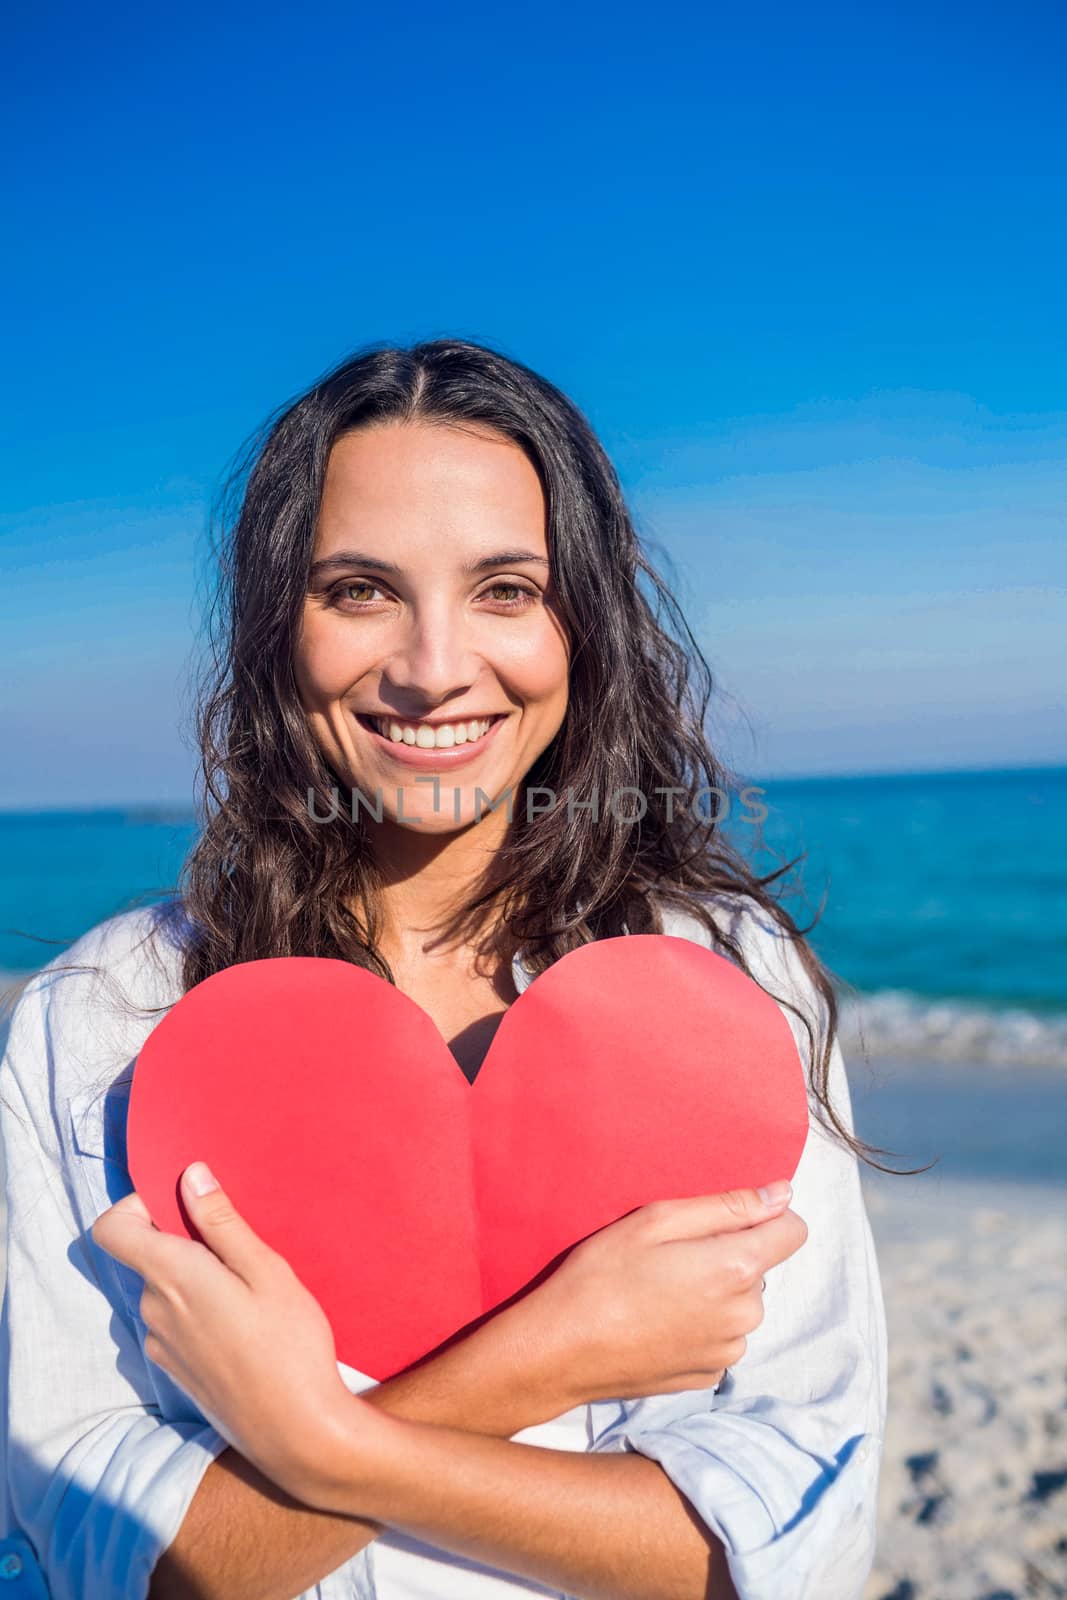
x=728 y=1212
x=131 y=1205
x=219 y=1224
x=124 y=1229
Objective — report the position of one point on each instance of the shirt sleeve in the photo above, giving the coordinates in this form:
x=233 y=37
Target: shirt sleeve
x=102 y=1455
x=782 y=1462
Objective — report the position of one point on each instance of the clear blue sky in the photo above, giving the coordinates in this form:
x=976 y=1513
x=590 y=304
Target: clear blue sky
x=802 y=266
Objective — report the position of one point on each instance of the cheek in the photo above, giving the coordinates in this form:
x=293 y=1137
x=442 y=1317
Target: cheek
x=536 y=666
x=325 y=663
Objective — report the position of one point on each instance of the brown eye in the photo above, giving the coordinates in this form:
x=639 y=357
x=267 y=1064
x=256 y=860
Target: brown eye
x=353 y=591
x=510 y=595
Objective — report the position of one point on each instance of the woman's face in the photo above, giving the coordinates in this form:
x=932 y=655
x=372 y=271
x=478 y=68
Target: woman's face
x=431 y=646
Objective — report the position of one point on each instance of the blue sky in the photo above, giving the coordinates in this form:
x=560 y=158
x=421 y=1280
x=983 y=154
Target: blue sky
x=801 y=266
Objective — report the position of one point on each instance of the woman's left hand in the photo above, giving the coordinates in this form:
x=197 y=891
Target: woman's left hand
x=231 y=1322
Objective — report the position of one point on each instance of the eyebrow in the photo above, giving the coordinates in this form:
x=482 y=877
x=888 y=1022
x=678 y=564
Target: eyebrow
x=356 y=558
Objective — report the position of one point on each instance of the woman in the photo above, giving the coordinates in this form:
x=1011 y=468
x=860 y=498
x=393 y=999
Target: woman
x=434 y=604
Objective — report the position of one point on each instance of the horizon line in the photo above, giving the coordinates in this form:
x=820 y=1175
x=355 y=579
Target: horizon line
x=187 y=807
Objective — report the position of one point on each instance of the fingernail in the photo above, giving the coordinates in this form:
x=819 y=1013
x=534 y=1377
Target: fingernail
x=200 y=1178
x=772 y=1194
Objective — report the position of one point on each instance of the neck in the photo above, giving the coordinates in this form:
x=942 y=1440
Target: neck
x=428 y=879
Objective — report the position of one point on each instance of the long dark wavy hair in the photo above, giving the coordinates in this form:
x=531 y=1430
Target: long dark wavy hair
x=265 y=878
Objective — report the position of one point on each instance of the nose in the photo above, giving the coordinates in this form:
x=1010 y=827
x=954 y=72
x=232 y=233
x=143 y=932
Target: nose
x=432 y=660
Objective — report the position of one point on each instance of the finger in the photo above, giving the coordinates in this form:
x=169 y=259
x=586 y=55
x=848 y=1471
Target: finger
x=745 y=1255
x=775 y=1241
x=220 y=1225
x=126 y=1231
x=719 y=1213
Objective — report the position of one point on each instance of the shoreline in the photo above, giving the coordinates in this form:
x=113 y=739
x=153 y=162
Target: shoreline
x=978 y=1122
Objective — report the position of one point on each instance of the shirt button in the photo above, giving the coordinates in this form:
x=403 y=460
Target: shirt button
x=10 y=1566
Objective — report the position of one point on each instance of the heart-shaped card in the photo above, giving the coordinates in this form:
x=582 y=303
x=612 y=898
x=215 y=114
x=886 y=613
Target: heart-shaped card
x=412 y=1202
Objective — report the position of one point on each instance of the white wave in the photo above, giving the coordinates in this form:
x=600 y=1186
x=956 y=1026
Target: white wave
x=906 y=1026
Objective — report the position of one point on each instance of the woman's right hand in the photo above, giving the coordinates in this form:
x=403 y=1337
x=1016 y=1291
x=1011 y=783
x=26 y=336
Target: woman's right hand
x=660 y=1301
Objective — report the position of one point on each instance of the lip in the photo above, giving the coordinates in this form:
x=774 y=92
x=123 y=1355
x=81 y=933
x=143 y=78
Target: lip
x=410 y=755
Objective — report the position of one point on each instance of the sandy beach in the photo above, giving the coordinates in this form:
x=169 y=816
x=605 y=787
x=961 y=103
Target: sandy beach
x=973 y=1495
x=973 y=1257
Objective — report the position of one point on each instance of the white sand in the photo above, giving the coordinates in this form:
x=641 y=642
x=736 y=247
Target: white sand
x=973 y=1502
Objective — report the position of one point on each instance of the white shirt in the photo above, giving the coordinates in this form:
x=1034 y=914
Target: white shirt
x=103 y=1452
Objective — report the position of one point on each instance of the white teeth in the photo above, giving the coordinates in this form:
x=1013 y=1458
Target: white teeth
x=443 y=736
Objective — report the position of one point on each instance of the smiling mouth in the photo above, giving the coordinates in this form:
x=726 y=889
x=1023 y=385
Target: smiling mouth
x=427 y=735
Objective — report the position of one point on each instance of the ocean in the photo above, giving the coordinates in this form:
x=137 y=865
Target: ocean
x=945 y=914
x=942 y=902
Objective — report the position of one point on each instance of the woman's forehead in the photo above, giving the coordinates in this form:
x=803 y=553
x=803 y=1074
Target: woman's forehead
x=412 y=493
x=415 y=467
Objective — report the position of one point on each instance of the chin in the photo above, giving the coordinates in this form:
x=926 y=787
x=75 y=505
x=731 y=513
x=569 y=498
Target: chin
x=434 y=827
x=413 y=808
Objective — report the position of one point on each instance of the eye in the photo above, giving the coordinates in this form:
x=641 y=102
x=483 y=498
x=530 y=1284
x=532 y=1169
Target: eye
x=511 y=596
x=342 y=593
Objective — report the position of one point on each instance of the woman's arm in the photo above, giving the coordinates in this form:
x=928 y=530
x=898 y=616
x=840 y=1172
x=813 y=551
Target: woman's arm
x=649 y=1304
x=597 y=1527
x=244 y=1538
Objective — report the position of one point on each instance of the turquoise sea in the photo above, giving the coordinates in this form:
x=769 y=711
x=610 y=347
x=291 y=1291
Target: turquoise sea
x=945 y=905
x=945 y=897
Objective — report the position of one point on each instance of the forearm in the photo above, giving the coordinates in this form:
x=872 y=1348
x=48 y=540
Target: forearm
x=242 y=1538
x=245 y=1539
x=597 y=1526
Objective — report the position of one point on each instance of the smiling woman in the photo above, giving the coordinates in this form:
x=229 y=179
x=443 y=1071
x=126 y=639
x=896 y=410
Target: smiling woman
x=432 y=595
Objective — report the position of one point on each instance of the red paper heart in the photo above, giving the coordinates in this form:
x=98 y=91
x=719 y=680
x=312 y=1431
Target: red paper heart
x=411 y=1202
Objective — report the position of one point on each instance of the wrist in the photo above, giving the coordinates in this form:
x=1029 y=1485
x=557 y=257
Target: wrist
x=497 y=1380
x=529 y=1363
x=349 y=1476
